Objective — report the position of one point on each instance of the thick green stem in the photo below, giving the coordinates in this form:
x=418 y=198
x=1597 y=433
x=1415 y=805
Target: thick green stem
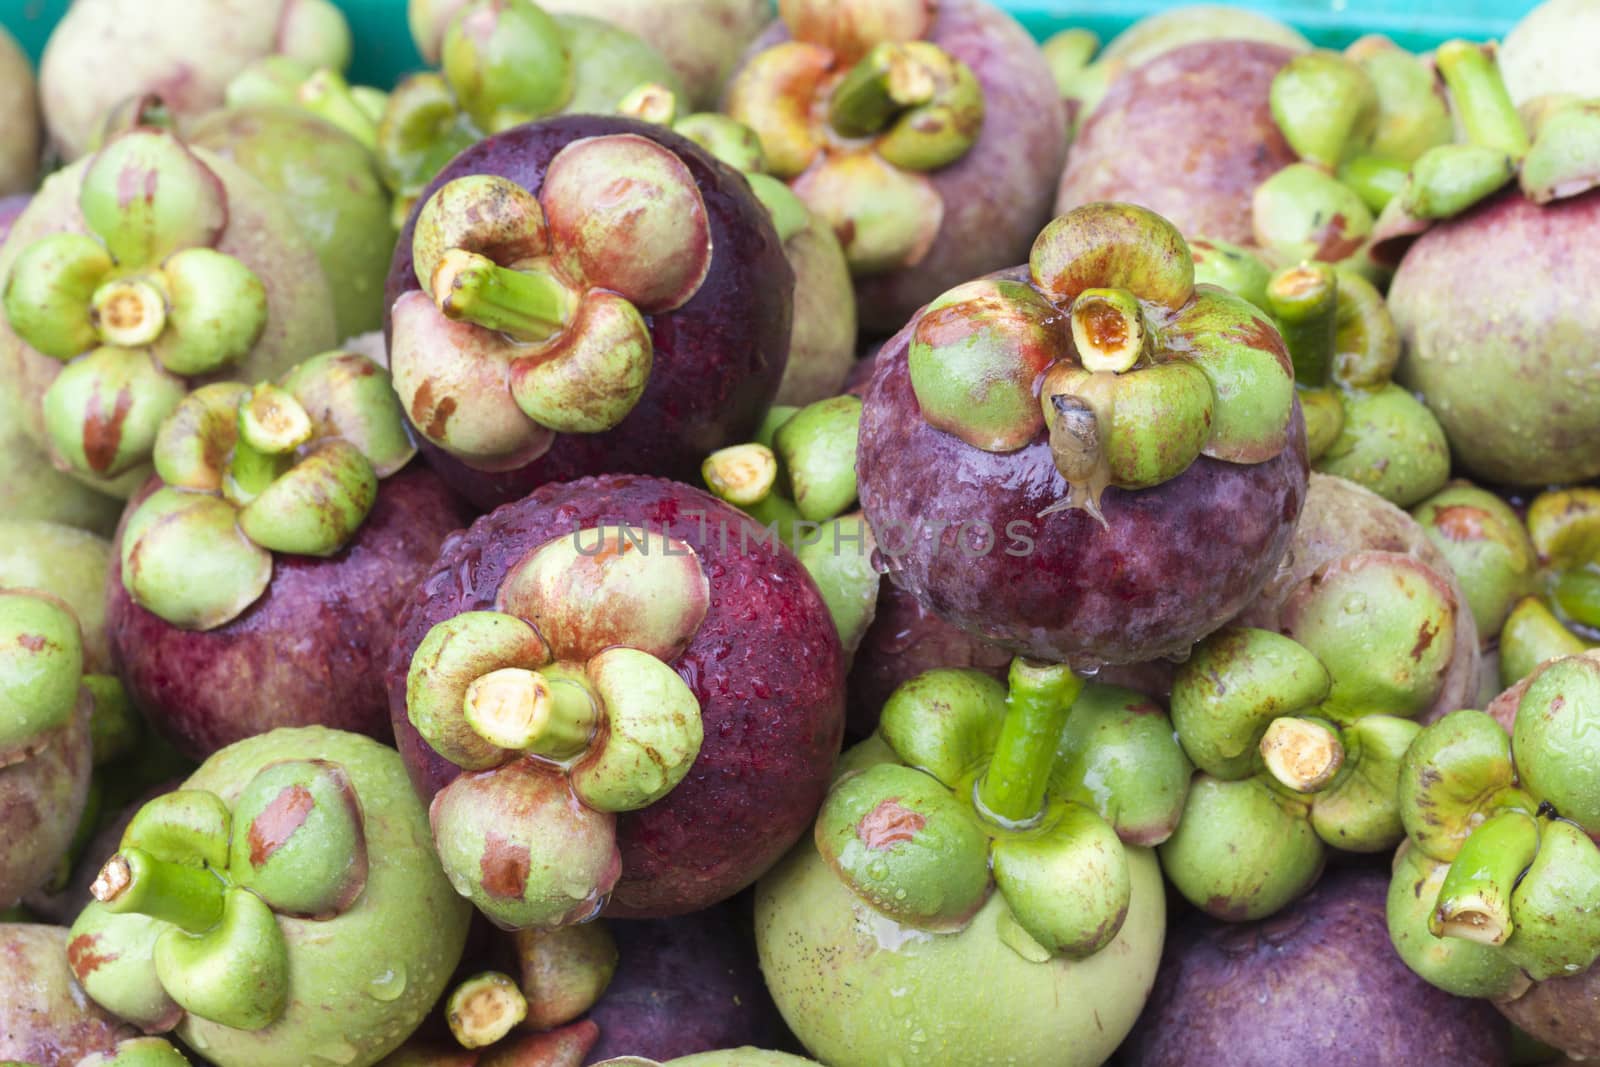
x=1375 y=179
x=1481 y=99
x=1109 y=329
x=133 y=881
x=1578 y=594
x=251 y=471
x=1475 y=900
x=1305 y=301
x=329 y=97
x=888 y=80
x=530 y=305
x=520 y=710
x=1040 y=698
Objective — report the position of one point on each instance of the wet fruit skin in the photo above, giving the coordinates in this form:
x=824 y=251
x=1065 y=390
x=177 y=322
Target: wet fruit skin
x=1177 y=561
x=763 y=766
x=997 y=196
x=1338 y=992
x=1189 y=135
x=45 y=1019
x=1504 y=357
x=718 y=358
x=309 y=652
x=684 y=985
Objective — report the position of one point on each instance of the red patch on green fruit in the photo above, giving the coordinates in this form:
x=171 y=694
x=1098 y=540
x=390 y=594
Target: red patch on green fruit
x=82 y=957
x=32 y=642
x=102 y=434
x=1460 y=523
x=278 y=821
x=889 y=824
x=504 y=867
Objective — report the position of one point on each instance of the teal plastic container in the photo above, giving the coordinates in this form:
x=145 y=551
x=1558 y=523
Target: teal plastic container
x=384 y=50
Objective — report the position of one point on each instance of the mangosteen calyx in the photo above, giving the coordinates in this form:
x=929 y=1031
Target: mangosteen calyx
x=291 y=466
x=531 y=318
x=562 y=709
x=1504 y=830
x=976 y=787
x=854 y=111
x=283 y=81
x=41 y=672
x=214 y=880
x=138 y=305
x=1110 y=346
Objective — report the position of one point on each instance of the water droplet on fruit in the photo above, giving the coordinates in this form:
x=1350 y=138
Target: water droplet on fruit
x=878 y=870
x=899 y=894
x=388 y=984
x=1355 y=604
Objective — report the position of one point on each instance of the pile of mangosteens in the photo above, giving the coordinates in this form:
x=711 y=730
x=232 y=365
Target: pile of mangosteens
x=834 y=532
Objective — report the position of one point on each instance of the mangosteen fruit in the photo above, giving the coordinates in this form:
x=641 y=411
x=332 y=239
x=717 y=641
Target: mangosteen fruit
x=45 y=760
x=1488 y=547
x=45 y=1020
x=1544 y=54
x=1317 y=982
x=284 y=902
x=19 y=128
x=329 y=182
x=1496 y=895
x=1560 y=613
x=926 y=135
x=104 y=52
x=67 y=563
x=733 y=1057
x=985 y=829
x=619 y=694
x=1089 y=459
x=115 y=309
x=258 y=577
x=549 y=319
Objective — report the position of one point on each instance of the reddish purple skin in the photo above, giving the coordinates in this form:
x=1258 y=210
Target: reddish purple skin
x=765 y=665
x=997 y=197
x=10 y=208
x=1177 y=562
x=1188 y=135
x=310 y=651
x=685 y=985
x=718 y=359
x=1318 y=983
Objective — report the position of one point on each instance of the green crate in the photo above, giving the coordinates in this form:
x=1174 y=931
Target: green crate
x=384 y=50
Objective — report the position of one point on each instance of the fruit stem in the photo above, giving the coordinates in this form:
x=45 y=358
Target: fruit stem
x=1375 y=179
x=1474 y=902
x=518 y=709
x=1303 y=754
x=129 y=313
x=1304 y=300
x=251 y=471
x=650 y=102
x=887 y=80
x=1109 y=330
x=133 y=881
x=1041 y=695
x=1481 y=98
x=529 y=305
x=329 y=97
x=485 y=1008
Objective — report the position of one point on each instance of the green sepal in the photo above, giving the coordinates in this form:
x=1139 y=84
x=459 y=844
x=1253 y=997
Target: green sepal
x=1366 y=342
x=1252 y=380
x=1113 y=246
x=1448 y=179
x=451 y=656
x=1242 y=850
x=1483 y=105
x=1383 y=624
x=317 y=506
x=890 y=216
x=1359 y=811
x=1323 y=410
x=182 y=203
x=1413 y=115
x=1565 y=158
x=1557 y=739
x=1450 y=777
x=1555 y=908
x=421 y=130
x=974 y=357
x=1390 y=443
x=138 y=1052
x=48 y=291
x=1120 y=758
x=507 y=63
x=1232 y=686
x=236 y=974
x=738 y=146
x=789 y=213
x=1375 y=179
x=216 y=311
x=104 y=409
x=1152 y=422
x=1236 y=268
x=348 y=395
x=113 y=958
x=1530 y=636
x=185 y=559
x=1474 y=900
x=1457 y=966
x=299 y=839
x=41 y=669
x=1487 y=547
x=1302 y=213
x=652 y=735
x=840 y=562
x=906 y=846
x=191 y=450
x=818 y=450
x=1325 y=105
x=189 y=827
x=945 y=722
x=1066 y=880
x=115 y=727
x=592 y=376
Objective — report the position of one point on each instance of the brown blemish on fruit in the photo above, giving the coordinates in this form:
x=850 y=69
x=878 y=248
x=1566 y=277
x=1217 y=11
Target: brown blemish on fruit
x=889 y=824
x=278 y=822
x=504 y=867
x=102 y=433
x=82 y=957
x=1425 y=638
x=1263 y=336
x=32 y=642
x=1460 y=522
